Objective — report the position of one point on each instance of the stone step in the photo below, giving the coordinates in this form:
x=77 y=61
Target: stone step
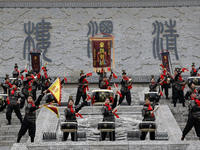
x=96 y=110
x=192 y=138
x=16 y=122
x=6 y=147
x=7 y=143
x=11 y=137
x=9 y=127
x=10 y=133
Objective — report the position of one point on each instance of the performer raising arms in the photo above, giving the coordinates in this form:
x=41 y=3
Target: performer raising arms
x=148 y=114
x=125 y=89
x=193 y=116
x=165 y=84
x=153 y=85
x=194 y=71
x=109 y=116
x=6 y=85
x=30 y=118
x=13 y=103
x=105 y=83
x=100 y=73
x=192 y=88
x=178 y=87
x=82 y=87
x=16 y=73
x=70 y=116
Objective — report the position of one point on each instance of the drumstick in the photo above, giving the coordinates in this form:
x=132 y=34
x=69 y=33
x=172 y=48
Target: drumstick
x=19 y=73
x=41 y=70
x=115 y=108
x=25 y=69
x=87 y=99
x=115 y=86
x=156 y=109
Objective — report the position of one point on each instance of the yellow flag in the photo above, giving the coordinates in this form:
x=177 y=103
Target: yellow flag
x=52 y=108
x=55 y=90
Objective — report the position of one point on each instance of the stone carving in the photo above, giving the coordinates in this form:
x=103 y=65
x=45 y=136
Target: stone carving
x=29 y=40
x=42 y=36
x=105 y=26
x=171 y=38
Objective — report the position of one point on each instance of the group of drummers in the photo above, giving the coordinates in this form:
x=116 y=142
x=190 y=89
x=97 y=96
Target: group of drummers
x=177 y=83
x=15 y=97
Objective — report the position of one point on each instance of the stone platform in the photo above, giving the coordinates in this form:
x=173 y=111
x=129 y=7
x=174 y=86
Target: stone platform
x=130 y=117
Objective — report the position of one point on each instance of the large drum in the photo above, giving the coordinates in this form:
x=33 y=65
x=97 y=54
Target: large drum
x=12 y=80
x=18 y=82
x=152 y=96
x=195 y=80
x=69 y=126
x=99 y=96
x=106 y=126
x=146 y=126
x=3 y=98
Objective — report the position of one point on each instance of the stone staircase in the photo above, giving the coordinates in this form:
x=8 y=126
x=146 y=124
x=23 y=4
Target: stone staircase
x=130 y=116
x=9 y=133
x=180 y=113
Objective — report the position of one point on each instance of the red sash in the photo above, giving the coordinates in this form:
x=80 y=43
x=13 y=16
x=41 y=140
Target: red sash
x=109 y=108
x=196 y=100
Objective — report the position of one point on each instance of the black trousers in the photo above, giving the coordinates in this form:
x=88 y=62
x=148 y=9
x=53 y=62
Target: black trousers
x=73 y=136
x=165 y=87
x=79 y=95
x=34 y=94
x=111 y=135
x=27 y=125
x=192 y=122
x=44 y=88
x=128 y=97
x=144 y=134
x=100 y=83
x=178 y=95
x=10 y=110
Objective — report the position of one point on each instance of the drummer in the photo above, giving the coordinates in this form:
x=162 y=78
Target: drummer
x=109 y=116
x=153 y=85
x=13 y=104
x=29 y=122
x=194 y=71
x=100 y=73
x=105 y=83
x=6 y=85
x=125 y=88
x=148 y=114
x=70 y=116
x=192 y=88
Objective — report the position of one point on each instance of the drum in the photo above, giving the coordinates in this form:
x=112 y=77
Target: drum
x=69 y=126
x=12 y=80
x=106 y=126
x=152 y=96
x=147 y=126
x=101 y=95
x=3 y=99
x=195 y=80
